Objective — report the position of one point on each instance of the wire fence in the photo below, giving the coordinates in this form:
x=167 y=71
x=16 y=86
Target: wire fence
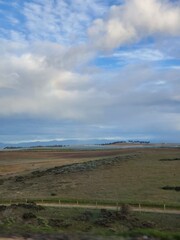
x=93 y=203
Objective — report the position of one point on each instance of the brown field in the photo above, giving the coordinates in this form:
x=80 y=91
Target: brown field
x=16 y=162
x=139 y=177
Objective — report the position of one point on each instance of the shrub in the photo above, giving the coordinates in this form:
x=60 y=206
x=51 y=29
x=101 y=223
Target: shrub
x=3 y=208
x=29 y=215
x=125 y=210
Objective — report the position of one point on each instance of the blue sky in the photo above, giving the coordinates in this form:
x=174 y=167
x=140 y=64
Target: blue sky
x=89 y=69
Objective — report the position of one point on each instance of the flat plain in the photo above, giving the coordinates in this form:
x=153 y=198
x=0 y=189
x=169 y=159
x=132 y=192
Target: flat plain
x=22 y=161
x=125 y=175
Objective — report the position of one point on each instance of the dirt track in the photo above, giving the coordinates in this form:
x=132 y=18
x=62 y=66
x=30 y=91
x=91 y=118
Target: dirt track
x=108 y=207
x=135 y=209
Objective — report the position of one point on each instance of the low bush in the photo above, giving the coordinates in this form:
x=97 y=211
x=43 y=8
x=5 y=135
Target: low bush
x=28 y=215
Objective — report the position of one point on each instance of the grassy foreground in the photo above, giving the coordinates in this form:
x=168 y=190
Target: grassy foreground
x=20 y=219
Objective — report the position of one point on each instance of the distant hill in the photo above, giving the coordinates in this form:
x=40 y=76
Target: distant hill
x=53 y=143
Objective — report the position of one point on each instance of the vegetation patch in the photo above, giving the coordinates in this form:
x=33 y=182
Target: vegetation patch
x=1 y=181
x=56 y=223
x=71 y=168
x=169 y=159
x=171 y=188
x=90 y=223
x=2 y=208
x=28 y=215
x=80 y=167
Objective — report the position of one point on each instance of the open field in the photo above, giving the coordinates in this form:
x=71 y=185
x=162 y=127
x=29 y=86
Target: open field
x=149 y=176
x=125 y=175
x=22 y=161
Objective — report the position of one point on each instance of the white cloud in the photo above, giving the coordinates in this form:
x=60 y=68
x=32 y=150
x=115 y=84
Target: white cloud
x=9 y=80
x=61 y=21
x=135 y=20
x=36 y=85
x=142 y=54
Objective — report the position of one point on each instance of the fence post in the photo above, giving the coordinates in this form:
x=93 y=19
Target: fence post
x=117 y=206
x=77 y=202
x=96 y=204
x=139 y=207
x=164 y=207
x=59 y=201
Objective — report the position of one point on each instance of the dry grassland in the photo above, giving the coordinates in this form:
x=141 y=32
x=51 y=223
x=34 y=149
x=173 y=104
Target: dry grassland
x=16 y=162
x=138 y=177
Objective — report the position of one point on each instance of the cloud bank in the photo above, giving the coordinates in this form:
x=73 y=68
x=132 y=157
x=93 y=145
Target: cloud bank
x=111 y=67
x=135 y=20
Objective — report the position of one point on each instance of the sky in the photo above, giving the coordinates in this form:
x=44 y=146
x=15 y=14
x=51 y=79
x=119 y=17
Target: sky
x=90 y=69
